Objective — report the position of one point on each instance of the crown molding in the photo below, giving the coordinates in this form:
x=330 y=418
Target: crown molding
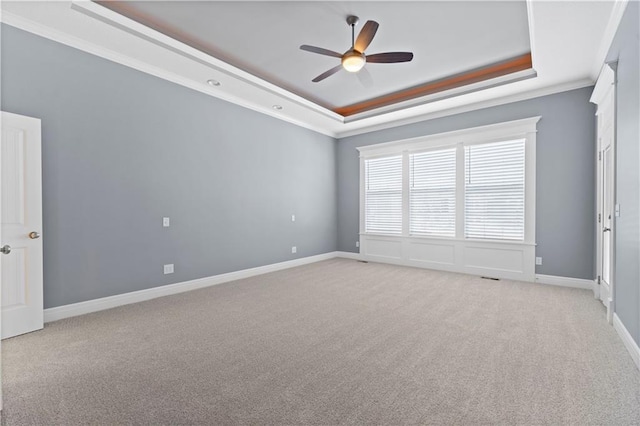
x=606 y=80
x=545 y=91
x=137 y=29
x=619 y=6
x=445 y=94
x=49 y=33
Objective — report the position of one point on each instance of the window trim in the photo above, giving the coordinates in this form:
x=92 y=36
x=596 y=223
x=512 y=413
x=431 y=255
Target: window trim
x=458 y=254
x=518 y=129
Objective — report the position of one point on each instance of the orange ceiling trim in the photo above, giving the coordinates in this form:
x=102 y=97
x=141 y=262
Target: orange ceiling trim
x=510 y=66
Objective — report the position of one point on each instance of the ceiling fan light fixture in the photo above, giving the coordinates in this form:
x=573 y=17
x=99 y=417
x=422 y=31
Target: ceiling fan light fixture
x=353 y=61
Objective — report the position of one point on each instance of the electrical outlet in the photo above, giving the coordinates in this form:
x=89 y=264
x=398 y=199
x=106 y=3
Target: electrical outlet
x=294 y=249
x=357 y=244
x=538 y=261
x=168 y=269
x=293 y=218
x=166 y=222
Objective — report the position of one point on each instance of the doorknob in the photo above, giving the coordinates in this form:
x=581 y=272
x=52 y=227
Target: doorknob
x=6 y=249
x=606 y=230
x=34 y=235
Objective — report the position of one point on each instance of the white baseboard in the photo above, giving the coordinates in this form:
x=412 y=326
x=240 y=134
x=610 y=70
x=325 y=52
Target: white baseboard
x=542 y=279
x=628 y=341
x=349 y=255
x=95 y=305
x=565 y=281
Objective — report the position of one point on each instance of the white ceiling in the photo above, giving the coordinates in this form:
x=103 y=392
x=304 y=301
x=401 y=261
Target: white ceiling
x=568 y=40
x=263 y=38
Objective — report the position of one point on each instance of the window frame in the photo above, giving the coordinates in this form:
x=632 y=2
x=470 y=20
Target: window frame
x=456 y=184
x=519 y=129
x=464 y=189
x=364 y=199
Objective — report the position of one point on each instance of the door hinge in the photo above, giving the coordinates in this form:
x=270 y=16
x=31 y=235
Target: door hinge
x=598 y=279
x=599 y=155
x=599 y=217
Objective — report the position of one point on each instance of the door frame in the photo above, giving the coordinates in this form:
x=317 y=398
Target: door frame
x=0 y=276
x=604 y=96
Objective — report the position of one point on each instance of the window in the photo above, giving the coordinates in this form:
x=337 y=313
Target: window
x=494 y=194
x=462 y=201
x=432 y=193
x=475 y=185
x=383 y=195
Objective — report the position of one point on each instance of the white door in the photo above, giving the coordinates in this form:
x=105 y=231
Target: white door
x=21 y=218
x=606 y=198
x=606 y=280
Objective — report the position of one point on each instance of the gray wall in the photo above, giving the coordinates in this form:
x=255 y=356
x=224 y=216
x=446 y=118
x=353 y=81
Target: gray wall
x=565 y=175
x=122 y=149
x=625 y=49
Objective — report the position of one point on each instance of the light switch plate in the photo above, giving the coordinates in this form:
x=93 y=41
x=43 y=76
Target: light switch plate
x=538 y=261
x=166 y=222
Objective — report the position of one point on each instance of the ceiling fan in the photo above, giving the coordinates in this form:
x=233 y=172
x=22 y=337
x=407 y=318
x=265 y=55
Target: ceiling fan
x=354 y=59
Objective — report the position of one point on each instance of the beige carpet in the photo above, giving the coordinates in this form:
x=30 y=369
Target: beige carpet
x=337 y=342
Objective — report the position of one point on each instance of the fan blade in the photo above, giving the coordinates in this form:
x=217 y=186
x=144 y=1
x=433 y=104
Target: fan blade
x=390 y=57
x=365 y=77
x=321 y=51
x=328 y=73
x=366 y=35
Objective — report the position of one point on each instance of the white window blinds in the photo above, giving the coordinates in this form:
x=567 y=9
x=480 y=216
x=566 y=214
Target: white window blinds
x=494 y=190
x=383 y=195
x=432 y=194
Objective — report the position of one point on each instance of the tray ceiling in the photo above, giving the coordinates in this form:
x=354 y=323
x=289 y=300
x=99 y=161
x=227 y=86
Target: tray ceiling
x=568 y=41
x=263 y=38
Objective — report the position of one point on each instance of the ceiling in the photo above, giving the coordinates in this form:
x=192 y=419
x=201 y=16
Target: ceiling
x=263 y=38
x=252 y=49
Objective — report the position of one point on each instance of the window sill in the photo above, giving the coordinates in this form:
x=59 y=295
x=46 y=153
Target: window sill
x=451 y=239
